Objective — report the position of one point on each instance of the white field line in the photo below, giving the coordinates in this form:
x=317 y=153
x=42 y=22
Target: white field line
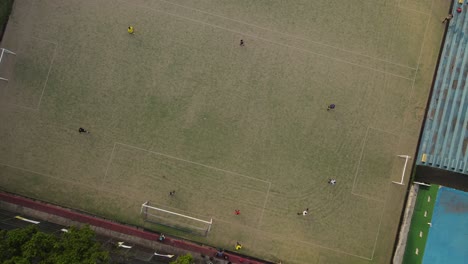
x=264 y=205
x=45 y=82
x=92 y=187
x=45 y=40
x=360 y=159
x=368 y=197
x=413 y=10
x=48 y=72
x=273 y=42
x=219 y=220
x=192 y=162
x=286 y=34
x=420 y=55
x=383 y=131
x=109 y=162
x=411 y=95
x=281 y=238
x=333 y=249
x=68 y=181
x=381 y=219
x=21 y=106
x=221 y=196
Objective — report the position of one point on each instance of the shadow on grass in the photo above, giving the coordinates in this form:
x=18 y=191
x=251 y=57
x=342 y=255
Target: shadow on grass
x=5 y=10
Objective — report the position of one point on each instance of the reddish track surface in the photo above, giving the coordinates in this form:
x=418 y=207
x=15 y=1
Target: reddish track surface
x=113 y=226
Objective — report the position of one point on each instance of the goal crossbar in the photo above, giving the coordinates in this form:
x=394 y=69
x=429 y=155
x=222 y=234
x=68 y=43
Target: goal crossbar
x=406 y=157
x=174 y=213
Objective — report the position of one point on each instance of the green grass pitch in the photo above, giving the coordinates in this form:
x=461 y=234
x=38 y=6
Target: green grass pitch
x=181 y=106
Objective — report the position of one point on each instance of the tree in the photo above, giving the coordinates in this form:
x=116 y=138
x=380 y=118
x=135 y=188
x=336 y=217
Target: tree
x=185 y=259
x=29 y=245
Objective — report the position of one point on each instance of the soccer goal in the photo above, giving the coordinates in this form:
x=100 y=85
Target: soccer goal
x=175 y=220
x=3 y=53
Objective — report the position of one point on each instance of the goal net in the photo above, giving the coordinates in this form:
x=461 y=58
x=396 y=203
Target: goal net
x=3 y=55
x=175 y=220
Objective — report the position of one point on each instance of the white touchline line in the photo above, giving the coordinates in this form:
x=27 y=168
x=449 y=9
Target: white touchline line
x=273 y=42
x=247 y=176
x=420 y=56
x=192 y=162
x=286 y=34
x=411 y=95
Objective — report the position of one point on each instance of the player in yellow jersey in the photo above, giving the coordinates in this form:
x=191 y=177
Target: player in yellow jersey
x=130 y=30
x=238 y=246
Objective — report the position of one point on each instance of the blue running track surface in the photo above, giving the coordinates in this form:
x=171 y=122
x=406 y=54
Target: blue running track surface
x=447 y=242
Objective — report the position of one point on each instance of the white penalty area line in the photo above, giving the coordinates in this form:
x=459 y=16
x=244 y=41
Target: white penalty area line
x=110 y=161
x=36 y=108
x=264 y=205
x=193 y=162
x=360 y=159
x=48 y=72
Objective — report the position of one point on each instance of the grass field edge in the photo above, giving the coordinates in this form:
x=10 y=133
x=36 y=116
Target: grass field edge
x=421 y=131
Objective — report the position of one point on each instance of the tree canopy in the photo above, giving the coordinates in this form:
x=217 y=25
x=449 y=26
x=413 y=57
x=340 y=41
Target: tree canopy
x=29 y=245
x=185 y=259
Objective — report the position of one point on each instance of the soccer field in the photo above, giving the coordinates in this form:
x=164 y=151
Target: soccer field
x=180 y=105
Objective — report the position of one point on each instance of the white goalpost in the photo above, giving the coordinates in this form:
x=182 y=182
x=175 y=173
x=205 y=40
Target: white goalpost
x=406 y=157
x=2 y=54
x=175 y=220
